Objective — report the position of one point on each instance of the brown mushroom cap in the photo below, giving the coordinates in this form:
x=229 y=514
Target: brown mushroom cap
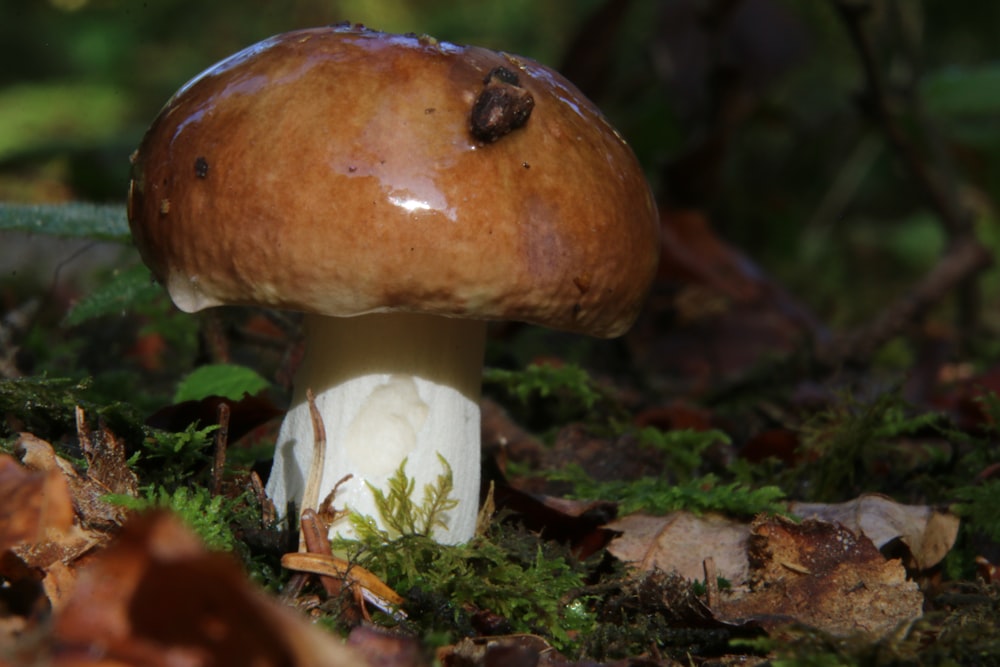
x=341 y=171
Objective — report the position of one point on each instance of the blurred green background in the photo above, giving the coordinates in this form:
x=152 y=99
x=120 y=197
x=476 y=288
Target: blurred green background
x=83 y=78
x=745 y=110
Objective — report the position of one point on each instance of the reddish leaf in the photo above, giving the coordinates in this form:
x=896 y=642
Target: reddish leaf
x=32 y=503
x=157 y=598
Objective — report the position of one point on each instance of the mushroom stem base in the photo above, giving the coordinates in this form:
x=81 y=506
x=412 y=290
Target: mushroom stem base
x=389 y=388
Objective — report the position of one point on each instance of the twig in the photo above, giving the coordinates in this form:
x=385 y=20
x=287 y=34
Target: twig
x=957 y=220
x=268 y=514
x=964 y=259
x=335 y=573
x=711 y=582
x=310 y=496
x=316 y=542
x=214 y=337
x=221 y=445
x=876 y=103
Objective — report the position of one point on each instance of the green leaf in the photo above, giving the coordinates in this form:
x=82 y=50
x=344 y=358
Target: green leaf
x=128 y=287
x=65 y=113
x=959 y=91
x=226 y=380
x=74 y=220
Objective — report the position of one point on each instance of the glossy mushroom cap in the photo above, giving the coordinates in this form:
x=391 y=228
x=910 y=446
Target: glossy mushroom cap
x=343 y=171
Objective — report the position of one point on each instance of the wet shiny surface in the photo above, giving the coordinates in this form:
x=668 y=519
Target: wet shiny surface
x=341 y=177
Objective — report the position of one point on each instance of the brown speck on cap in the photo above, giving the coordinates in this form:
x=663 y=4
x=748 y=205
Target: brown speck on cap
x=502 y=107
x=200 y=167
x=440 y=218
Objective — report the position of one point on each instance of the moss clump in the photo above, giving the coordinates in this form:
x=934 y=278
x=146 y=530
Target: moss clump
x=656 y=495
x=540 y=395
x=658 y=613
x=503 y=580
x=207 y=515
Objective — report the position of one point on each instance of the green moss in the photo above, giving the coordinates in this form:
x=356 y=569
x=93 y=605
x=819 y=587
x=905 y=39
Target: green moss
x=657 y=495
x=657 y=613
x=842 y=445
x=171 y=459
x=537 y=590
x=978 y=504
x=46 y=406
x=527 y=585
x=207 y=515
x=400 y=515
x=682 y=449
x=541 y=395
x=545 y=380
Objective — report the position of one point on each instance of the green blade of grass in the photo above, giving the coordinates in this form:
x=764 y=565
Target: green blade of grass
x=102 y=222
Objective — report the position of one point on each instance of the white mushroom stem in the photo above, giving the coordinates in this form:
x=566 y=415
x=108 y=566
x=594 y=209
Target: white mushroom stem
x=389 y=387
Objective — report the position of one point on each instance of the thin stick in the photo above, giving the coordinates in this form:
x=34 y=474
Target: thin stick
x=310 y=497
x=221 y=445
x=316 y=542
x=957 y=220
x=964 y=259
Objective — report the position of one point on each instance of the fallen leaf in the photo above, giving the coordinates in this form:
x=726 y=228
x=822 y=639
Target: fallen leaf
x=713 y=314
x=156 y=597
x=87 y=494
x=32 y=503
x=774 y=443
x=681 y=541
x=987 y=571
x=928 y=533
x=38 y=538
x=676 y=415
x=107 y=462
x=508 y=650
x=826 y=571
x=822 y=575
x=383 y=648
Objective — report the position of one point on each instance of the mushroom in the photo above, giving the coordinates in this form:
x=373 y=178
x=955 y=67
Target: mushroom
x=401 y=192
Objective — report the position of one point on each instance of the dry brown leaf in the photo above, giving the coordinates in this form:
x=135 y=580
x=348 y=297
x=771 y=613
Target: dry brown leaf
x=681 y=541
x=928 y=533
x=38 y=538
x=107 y=461
x=157 y=597
x=817 y=572
x=37 y=525
x=32 y=503
x=822 y=575
x=725 y=313
x=385 y=648
x=508 y=650
x=87 y=493
x=107 y=472
x=66 y=542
